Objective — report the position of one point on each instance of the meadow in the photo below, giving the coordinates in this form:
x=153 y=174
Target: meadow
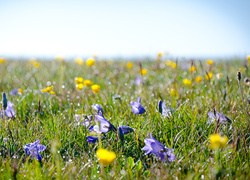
x=202 y=132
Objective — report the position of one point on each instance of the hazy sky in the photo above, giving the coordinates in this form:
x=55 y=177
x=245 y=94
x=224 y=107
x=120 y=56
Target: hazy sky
x=124 y=28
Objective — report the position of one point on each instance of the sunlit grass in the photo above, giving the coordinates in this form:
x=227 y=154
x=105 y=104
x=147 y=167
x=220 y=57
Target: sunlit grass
x=50 y=118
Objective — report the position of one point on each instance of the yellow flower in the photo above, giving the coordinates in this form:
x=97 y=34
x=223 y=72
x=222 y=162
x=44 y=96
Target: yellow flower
x=248 y=57
x=59 y=58
x=95 y=88
x=209 y=76
x=87 y=83
x=129 y=65
x=192 y=68
x=217 y=141
x=219 y=75
x=36 y=64
x=198 y=79
x=143 y=72
x=160 y=54
x=48 y=89
x=79 y=86
x=2 y=60
x=171 y=64
x=210 y=62
x=52 y=92
x=79 y=61
x=20 y=91
x=95 y=56
x=105 y=157
x=187 y=82
x=78 y=80
x=90 y=62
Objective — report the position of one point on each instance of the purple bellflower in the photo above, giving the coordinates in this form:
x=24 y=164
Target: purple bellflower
x=137 y=107
x=34 y=149
x=165 y=111
x=92 y=139
x=102 y=124
x=155 y=147
x=14 y=92
x=97 y=107
x=215 y=116
x=124 y=130
x=9 y=111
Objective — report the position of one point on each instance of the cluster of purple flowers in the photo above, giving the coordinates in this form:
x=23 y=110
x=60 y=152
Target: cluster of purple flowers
x=103 y=126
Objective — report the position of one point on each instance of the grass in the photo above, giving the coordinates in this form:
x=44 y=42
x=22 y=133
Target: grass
x=50 y=118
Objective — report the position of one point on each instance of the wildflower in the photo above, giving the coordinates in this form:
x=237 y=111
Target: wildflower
x=171 y=64
x=155 y=147
x=124 y=130
x=9 y=111
x=187 y=82
x=165 y=111
x=143 y=72
x=79 y=61
x=83 y=120
x=192 y=69
x=219 y=75
x=97 y=107
x=160 y=54
x=215 y=116
x=92 y=139
x=129 y=65
x=248 y=57
x=48 y=89
x=59 y=58
x=138 y=81
x=90 y=62
x=34 y=150
x=78 y=80
x=95 y=88
x=87 y=83
x=217 y=141
x=198 y=79
x=105 y=157
x=52 y=92
x=2 y=60
x=210 y=62
x=137 y=107
x=16 y=91
x=36 y=64
x=102 y=124
x=79 y=86
x=209 y=76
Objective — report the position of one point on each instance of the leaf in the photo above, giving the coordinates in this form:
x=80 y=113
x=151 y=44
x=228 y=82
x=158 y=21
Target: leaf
x=131 y=162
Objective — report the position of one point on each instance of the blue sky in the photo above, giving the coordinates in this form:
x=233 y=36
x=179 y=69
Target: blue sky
x=110 y=28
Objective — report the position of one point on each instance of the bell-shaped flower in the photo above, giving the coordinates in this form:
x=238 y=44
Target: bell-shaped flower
x=34 y=149
x=155 y=147
x=215 y=116
x=102 y=125
x=92 y=139
x=137 y=108
x=165 y=111
x=124 y=130
x=97 y=107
